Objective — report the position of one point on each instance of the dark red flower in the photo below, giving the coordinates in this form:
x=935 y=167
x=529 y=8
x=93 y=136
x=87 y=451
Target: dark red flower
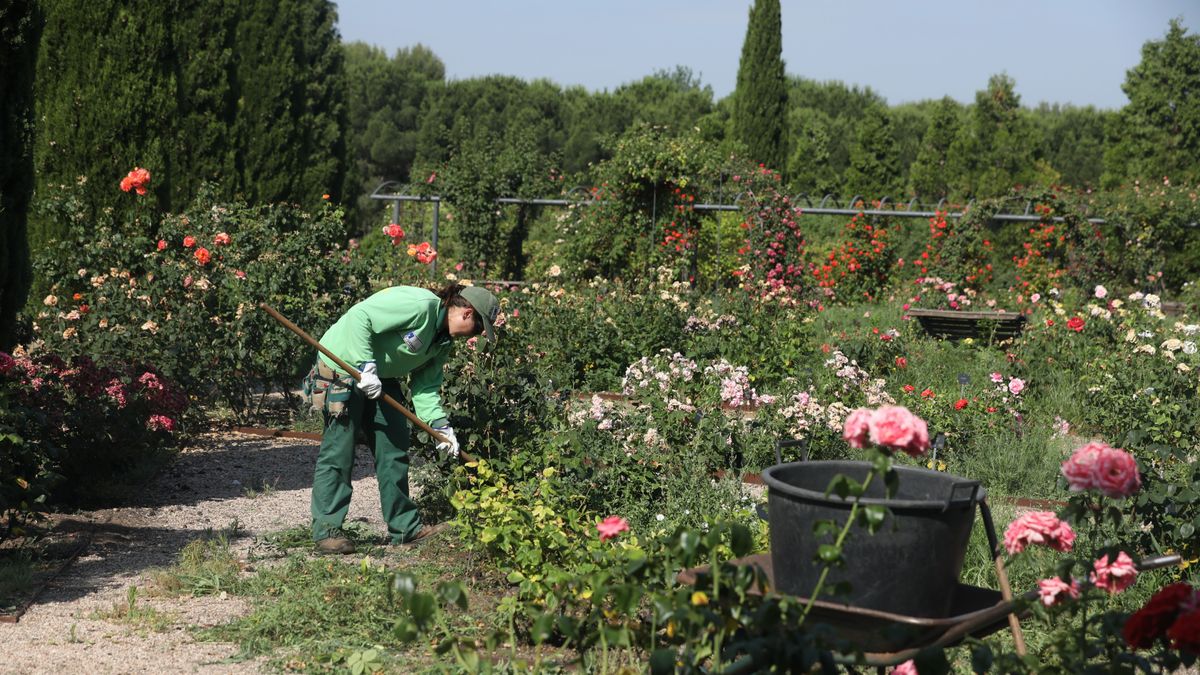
x=1185 y=632
x=1152 y=621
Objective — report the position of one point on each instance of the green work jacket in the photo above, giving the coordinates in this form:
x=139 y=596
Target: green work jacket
x=401 y=330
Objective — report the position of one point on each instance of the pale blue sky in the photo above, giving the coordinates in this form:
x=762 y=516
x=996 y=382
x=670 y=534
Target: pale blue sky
x=1058 y=51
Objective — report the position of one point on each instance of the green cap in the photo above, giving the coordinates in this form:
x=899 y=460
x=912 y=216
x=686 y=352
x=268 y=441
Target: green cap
x=485 y=304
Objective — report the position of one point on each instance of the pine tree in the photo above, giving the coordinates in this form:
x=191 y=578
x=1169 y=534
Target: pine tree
x=20 y=26
x=874 y=165
x=1158 y=133
x=930 y=174
x=761 y=97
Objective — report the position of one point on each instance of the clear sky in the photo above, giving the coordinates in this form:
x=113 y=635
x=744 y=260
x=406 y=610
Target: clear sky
x=1057 y=51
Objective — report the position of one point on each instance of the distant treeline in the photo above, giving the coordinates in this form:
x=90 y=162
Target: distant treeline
x=262 y=98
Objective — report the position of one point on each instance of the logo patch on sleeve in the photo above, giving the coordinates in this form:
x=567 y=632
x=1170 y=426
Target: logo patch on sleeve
x=413 y=341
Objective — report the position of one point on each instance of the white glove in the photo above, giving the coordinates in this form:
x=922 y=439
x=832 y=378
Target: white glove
x=451 y=443
x=369 y=382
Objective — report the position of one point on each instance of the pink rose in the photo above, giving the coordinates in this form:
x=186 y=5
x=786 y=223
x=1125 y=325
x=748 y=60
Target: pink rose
x=1116 y=473
x=189 y=241
x=857 y=428
x=1054 y=590
x=1115 y=576
x=997 y=378
x=162 y=244
x=1016 y=386
x=893 y=426
x=1080 y=469
x=1101 y=292
x=611 y=526
x=222 y=239
x=909 y=667
x=1038 y=527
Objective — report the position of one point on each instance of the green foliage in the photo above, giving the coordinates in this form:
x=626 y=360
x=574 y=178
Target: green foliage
x=383 y=102
x=994 y=148
x=106 y=95
x=190 y=302
x=929 y=175
x=291 y=115
x=249 y=94
x=87 y=432
x=1158 y=133
x=874 y=170
x=481 y=170
x=20 y=27
x=642 y=213
x=760 y=100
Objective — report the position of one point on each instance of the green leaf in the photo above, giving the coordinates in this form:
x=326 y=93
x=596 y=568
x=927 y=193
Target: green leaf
x=829 y=554
x=741 y=540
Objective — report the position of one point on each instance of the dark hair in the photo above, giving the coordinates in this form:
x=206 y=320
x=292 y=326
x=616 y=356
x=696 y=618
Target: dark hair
x=451 y=296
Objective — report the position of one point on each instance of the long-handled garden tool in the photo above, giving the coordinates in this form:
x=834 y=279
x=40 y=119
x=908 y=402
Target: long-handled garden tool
x=434 y=434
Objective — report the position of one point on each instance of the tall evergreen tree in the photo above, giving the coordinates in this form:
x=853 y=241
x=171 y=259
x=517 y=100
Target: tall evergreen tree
x=291 y=97
x=203 y=35
x=761 y=98
x=874 y=162
x=929 y=176
x=810 y=169
x=106 y=97
x=994 y=149
x=1158 y=133
x=20 y=27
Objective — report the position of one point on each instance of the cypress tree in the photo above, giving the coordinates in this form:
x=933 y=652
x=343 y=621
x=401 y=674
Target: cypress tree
x=760 y=100
x=291 y=98
x=105 y=92
x=20 y=25
x=206 y=147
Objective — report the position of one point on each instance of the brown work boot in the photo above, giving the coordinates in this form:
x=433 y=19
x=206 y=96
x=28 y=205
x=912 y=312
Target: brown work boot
x=336 y=543
x=424 y=533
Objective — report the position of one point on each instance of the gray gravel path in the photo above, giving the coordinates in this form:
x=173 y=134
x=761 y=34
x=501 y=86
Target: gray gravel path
x=215 y=483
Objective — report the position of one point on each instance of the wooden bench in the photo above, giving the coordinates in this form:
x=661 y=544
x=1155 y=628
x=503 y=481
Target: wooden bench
x=956 y=325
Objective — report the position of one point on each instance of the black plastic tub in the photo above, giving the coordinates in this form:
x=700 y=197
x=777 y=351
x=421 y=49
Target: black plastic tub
x=910 y=566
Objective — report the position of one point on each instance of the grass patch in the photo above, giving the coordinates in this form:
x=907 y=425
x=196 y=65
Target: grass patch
x=206 y=566
x=140 y=618
x=320 y=613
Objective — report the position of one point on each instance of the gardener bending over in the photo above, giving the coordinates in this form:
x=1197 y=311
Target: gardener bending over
x=396 y=332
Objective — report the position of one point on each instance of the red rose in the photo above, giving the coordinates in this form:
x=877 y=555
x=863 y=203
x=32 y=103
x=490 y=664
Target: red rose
x=1049 y=322
x=928 y=393
x=1152 y=621
x=960 y=404
x=202 y=255
x=136 y=180
x=901 y=362
x=189 y=241
x=162 y=244
x=1185 y=632
x=1076 y=324
x=908 y=389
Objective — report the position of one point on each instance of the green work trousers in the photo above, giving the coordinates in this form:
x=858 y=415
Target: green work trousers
x=386 y=432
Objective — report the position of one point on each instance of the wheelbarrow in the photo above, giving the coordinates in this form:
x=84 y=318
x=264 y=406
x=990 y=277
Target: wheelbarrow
x=891 y=630
x=887 y=638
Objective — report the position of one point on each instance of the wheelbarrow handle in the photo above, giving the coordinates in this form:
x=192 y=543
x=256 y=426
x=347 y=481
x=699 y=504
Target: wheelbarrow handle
x=436 y=435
